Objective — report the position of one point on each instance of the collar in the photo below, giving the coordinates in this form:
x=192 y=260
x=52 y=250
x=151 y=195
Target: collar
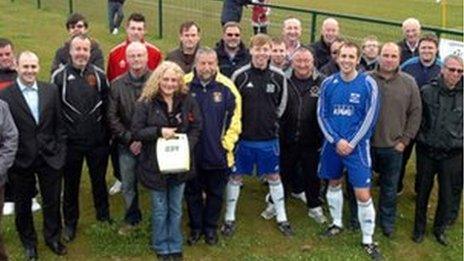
x=411 y=48
x=23 y=87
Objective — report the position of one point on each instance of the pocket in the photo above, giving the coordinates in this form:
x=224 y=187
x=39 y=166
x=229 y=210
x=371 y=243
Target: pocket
x=455 y=123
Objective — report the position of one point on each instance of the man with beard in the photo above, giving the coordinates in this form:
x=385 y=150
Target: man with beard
x=83 y=91
x=189 y=35
x=220 y=104
x=231 y=51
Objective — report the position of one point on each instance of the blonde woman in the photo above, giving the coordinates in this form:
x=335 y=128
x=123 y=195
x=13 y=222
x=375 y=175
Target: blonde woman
x=164 y=109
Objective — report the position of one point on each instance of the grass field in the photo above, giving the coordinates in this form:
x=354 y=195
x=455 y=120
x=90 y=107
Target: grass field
x=43 y=31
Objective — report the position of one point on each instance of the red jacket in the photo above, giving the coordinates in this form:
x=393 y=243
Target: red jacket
x=117 y=64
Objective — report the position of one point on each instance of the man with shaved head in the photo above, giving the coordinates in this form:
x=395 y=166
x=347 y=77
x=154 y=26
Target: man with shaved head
x=329 y=32
x=125 y=91
x=398 y=123
x=36 y=111
x=410 y=44
x=83 y=90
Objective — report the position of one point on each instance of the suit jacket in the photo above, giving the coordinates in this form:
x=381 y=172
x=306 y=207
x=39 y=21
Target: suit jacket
x=48 y=137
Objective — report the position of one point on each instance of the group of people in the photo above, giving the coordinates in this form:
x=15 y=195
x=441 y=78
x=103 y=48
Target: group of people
x=297 y=116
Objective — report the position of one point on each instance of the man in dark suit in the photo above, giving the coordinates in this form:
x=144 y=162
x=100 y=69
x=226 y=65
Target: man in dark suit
x=36 y=110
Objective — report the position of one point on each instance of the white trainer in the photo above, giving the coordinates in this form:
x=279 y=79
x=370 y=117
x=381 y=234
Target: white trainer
x=317 y=214
x=8 y=208
x=35 y=205
x=301 y=196
x=270 y=211
x=116 y=188
x=115 y=31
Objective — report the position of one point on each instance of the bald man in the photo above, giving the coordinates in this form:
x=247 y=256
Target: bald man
x=329 y=32
x=42 y=142
x=124 y=92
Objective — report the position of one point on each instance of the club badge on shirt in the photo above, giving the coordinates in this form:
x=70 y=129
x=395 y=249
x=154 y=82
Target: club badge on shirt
x=270 y=88
x=122 y=64
x=217 y=97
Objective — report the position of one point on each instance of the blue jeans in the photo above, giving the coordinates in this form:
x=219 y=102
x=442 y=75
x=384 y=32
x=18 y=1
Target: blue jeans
x=387 y=162
x=167 y=218
x=127 y=165
x=115 y=15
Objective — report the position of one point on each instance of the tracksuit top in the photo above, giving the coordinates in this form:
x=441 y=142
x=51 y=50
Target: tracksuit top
x=220 y=106
x=422 y=74
x=348 y=110
x=264 y=98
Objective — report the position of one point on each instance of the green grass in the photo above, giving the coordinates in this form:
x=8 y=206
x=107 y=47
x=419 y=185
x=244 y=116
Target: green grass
x=43 y=31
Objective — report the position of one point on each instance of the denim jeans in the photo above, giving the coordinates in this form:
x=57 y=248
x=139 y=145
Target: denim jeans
x=387 y=162
x=167 y=218
x=115 y=14
x=127 y=165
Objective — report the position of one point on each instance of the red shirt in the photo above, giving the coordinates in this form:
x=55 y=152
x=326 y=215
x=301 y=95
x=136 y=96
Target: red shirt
x=117 y=64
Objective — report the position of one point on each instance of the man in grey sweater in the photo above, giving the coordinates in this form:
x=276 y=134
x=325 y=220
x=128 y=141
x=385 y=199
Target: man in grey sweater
x=398 y=123
x=8 y=148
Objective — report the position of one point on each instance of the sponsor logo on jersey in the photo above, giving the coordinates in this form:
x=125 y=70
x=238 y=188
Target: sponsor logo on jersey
x=343 y=110
x=249 y=85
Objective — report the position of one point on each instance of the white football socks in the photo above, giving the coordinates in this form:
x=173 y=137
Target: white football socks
x=366 y=216
x=335 y=201
x=276 y=189
x=232 y=193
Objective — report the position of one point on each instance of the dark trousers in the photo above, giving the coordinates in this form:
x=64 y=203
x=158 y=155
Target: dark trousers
x=24 y=184
x=307 y=158
x=447 y=169
x=115 y=14
x=404 y=162
x=3 y=254
x=456 y=198
x=204 y=213
x=387 y=162
x=114 y=155
x=97 y=161
x=9 y=195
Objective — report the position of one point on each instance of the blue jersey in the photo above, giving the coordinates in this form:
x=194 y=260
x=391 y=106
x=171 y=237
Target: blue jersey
x=348 y=110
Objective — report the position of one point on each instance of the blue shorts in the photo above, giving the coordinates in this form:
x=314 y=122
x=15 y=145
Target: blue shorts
x=263 y=154
x=358 y=164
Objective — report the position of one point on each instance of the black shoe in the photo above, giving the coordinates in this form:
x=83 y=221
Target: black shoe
x=57 y=247
x=106 y=220
x=332 y=231
x=69 y=234
x=194 y=237
x=31 y=253
x=163 y=257
x=373 y=251
x=418 y=237
x=285 y=228
x=177 y=256
x=441 y=238
x=387 y=233
x=211 y=238
x=228 y=228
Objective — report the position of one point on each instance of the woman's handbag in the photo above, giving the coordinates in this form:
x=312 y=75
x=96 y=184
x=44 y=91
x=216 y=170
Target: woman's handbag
x=173 y=155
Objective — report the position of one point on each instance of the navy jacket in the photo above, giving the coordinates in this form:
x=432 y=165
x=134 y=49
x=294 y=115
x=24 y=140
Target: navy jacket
x=421 y=73
x=227 y=66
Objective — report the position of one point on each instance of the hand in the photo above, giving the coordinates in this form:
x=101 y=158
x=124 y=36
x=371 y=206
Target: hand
x=400 y=146
x=168 y=133
x=135 y=147
x=344 y=148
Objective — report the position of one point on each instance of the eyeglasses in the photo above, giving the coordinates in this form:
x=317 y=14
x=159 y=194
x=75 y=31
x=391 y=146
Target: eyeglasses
x=453 y=70
x=231 y=34
x=334 y=52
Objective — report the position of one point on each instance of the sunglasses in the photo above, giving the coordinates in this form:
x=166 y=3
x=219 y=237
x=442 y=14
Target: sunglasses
x=453 y=70
x=230 y=35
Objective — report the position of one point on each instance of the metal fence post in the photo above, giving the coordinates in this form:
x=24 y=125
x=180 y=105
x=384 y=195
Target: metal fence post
x=313 y=27
x=160 y=19
x=71 y=7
